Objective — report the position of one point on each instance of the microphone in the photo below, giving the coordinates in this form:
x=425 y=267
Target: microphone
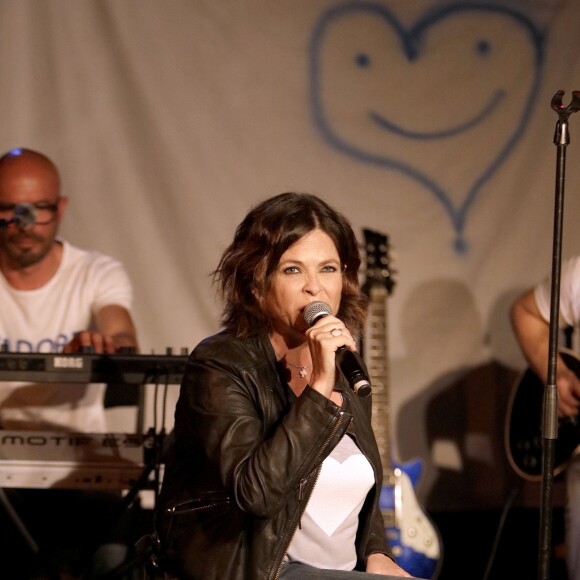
x=24 y=215
x=349 y=362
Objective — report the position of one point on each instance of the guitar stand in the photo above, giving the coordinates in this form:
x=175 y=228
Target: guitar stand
x=550 y=411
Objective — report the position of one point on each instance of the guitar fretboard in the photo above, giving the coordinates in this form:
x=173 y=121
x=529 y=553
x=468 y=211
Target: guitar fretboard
x=376 y=358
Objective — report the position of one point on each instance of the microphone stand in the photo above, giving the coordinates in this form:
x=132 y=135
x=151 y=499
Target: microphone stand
x=550 y=410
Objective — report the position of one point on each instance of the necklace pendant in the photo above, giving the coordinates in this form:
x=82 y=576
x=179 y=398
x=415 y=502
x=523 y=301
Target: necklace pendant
x=302 y=372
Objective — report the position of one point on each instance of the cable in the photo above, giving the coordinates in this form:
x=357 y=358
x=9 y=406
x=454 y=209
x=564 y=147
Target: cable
x=507 y=506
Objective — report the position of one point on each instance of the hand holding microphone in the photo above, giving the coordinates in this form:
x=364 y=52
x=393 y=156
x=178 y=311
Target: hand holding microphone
x=349 y=362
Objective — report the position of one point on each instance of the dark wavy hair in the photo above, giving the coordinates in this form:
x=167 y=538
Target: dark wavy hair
x=245 y=270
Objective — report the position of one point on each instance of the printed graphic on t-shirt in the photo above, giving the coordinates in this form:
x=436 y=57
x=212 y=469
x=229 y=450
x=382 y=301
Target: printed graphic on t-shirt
x=349 y=483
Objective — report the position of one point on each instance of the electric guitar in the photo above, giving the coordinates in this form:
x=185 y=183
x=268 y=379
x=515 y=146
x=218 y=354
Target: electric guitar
x=523 y=430
x=411 y=534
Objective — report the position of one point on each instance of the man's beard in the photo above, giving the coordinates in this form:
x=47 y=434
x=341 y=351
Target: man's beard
x=25 y=257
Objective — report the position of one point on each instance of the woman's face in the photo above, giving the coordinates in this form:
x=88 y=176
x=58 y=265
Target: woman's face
x=308 y=270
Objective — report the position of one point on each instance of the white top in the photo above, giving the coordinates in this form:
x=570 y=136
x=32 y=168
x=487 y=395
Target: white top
x=326 y=535
x=44 y=320
x=569 y=293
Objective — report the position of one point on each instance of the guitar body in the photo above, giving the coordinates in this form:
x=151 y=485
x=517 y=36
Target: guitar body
x=412 y=536
x=523 y=431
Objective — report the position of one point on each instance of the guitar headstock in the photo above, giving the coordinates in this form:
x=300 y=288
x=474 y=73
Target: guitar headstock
x=379 y=272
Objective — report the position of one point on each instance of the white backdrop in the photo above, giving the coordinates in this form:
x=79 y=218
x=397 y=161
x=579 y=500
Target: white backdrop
x=428 y=121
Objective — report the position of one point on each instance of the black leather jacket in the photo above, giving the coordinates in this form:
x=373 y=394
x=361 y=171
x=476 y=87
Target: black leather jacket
x=244 y=461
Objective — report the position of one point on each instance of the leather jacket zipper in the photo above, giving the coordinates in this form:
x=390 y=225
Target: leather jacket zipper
x=302 y=500
x=181 y=508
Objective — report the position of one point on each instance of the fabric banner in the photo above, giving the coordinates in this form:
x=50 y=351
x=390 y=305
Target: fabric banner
x=430 y=122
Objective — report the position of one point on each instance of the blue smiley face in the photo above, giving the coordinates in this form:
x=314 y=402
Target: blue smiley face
x=458 y=85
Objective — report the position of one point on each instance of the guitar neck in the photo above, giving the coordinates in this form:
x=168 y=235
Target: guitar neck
x=376 y=358
x=409 y=531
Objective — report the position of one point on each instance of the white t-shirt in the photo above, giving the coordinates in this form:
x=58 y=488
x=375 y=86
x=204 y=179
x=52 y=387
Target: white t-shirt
x=569 y=293
x=327 y=532
x=44 y=320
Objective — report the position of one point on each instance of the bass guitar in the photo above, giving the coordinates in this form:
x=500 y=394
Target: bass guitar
x=411 y=534
x=523 y=430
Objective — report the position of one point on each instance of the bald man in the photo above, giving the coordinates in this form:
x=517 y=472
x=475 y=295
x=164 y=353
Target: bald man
x=54 y=297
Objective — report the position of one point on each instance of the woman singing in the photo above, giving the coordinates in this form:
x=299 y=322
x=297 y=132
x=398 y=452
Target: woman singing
x=275 y=472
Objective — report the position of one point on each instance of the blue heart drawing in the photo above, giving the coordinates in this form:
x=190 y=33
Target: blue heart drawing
x=443 y=101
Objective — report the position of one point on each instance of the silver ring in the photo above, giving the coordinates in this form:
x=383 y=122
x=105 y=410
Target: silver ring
x=336 y=332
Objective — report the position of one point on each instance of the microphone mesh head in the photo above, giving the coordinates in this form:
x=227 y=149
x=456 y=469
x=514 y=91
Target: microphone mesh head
x=315 y=310
x=24 y=215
